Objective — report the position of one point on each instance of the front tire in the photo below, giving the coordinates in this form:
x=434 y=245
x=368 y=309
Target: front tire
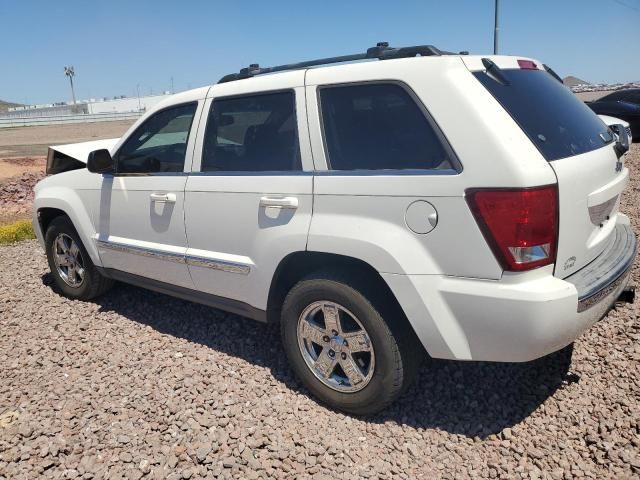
x=73 y=271
x=342 y=349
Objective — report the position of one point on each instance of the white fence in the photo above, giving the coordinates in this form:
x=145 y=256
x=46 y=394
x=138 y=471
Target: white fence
x=62 y=119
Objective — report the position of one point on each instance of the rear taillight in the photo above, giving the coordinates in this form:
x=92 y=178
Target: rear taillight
x=520 y=224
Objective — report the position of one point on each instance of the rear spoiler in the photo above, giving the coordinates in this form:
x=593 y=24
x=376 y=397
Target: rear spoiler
x=73 y=156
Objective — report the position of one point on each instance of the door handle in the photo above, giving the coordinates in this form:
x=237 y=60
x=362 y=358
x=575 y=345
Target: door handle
x=279 y=202
x=163 y=197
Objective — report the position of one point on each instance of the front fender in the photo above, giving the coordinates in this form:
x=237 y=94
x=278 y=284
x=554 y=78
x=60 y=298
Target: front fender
x=70 y=202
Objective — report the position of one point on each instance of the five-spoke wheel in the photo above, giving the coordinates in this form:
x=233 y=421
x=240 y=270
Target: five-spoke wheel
x=336 y=346
x=347 y=343
x=68 y=260
x=72 y=269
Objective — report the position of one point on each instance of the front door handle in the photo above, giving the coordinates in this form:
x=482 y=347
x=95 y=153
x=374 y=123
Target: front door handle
x=163 y=197
x=279 y=202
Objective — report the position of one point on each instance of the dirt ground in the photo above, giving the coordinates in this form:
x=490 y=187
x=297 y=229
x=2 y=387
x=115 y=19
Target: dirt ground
x=33 y=141
x=590 y=96
x=23 y=159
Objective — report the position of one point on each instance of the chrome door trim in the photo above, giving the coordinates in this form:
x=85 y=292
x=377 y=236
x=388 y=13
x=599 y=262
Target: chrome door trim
x=143 y=251
x=225 y=266
x=196 y=261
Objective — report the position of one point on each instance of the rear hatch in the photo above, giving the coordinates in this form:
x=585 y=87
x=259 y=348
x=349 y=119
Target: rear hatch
x=577 y=145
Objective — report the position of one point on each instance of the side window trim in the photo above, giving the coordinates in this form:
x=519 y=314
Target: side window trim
x=207 y=115
x=453 y=158
x=116 y=154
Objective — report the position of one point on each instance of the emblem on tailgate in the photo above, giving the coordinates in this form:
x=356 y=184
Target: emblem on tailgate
x=571 y=261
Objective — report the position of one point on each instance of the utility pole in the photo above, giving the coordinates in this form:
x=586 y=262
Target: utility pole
x=496 y=28
x=69 y=72
x=138 y=91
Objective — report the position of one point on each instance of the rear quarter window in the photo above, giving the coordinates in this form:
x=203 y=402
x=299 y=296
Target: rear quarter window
x=379 y=126
x=554 y=119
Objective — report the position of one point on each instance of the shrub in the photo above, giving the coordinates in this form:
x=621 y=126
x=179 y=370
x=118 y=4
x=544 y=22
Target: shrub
x=16 y=232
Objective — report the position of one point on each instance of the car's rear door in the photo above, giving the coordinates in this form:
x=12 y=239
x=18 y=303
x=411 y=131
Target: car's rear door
x=140 y=214
x=248 y=201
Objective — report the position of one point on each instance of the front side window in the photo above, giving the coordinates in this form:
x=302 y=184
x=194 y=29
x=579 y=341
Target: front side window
x=255 y=133
x=379 y=127
x=159 y=144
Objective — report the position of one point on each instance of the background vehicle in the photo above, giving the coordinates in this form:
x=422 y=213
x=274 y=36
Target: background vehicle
x=371 y=209
x=612 y=121
x=624 y=104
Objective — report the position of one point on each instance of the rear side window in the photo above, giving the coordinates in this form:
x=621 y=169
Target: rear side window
x=554 y=119
x=379 y=127
x=253 y=133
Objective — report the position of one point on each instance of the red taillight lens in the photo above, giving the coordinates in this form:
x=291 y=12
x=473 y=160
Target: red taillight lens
x=527 y=65
x=520 y=225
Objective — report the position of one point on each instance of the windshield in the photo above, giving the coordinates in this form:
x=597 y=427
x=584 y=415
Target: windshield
x=554 y=119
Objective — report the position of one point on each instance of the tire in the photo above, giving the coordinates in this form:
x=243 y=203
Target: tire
x=89 y=282
x=396 y=352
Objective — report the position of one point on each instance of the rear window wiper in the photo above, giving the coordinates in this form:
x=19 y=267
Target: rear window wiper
x=551 y=72
x=495 y=72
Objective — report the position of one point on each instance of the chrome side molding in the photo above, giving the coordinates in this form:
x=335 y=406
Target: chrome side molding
x=230 y=267
x=142 y=251
x=196 y=261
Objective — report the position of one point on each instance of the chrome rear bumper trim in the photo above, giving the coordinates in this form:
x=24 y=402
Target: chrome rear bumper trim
x=608 y=271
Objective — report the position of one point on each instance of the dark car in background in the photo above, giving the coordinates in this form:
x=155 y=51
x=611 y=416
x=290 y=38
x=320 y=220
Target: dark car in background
x=624 y=104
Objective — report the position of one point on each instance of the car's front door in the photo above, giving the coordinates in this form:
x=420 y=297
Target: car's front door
x=250 y=204
x=140 y=215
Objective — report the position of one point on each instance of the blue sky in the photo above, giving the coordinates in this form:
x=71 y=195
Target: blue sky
x=116 y=45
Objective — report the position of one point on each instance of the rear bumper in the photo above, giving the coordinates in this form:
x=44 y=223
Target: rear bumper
x=514 y=320
x=607 y=272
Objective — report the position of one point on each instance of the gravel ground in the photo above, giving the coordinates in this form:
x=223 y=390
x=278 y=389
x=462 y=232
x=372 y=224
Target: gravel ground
x=140 y=385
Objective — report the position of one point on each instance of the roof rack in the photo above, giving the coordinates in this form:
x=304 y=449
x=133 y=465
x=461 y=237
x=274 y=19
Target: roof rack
x=382 y=51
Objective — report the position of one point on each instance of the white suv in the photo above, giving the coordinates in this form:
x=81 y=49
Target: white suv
x=464 y=204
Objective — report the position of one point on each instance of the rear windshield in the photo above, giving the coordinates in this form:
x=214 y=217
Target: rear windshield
x=555 y=120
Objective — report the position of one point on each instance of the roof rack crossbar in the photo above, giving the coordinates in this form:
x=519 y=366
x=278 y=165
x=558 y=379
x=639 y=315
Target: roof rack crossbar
x=381 y=51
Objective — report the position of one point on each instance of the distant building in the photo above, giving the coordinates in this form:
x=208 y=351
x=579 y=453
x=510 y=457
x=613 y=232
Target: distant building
x=119 y=104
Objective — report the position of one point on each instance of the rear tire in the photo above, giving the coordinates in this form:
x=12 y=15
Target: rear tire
x=381 y=347
x=71 y=267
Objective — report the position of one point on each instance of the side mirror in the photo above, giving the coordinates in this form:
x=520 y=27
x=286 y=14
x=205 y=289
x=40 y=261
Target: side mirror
x=100 y=161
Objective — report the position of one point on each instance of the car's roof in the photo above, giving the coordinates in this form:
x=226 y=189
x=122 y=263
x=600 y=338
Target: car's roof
x=296 y=76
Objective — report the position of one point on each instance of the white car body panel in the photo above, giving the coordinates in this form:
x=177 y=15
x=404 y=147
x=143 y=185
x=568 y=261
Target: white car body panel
x=265 y=235
x=80 y=151
x=219 y=238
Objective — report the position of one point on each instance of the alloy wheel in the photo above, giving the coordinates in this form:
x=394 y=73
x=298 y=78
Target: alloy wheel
x=335 y=346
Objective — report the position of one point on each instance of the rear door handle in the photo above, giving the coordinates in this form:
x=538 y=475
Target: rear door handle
x=163 y=197
x=279 y=202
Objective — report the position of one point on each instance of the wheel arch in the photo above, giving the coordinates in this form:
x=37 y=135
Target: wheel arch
x=298 y=265
x=50 y=207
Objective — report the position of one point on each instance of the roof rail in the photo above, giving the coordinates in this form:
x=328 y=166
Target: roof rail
x=382 y=51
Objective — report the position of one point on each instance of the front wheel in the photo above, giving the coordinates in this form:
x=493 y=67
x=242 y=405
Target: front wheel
x=70 y=264
x=341 y=347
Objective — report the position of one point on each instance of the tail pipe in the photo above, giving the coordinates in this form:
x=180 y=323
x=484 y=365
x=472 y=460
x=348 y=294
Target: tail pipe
x=628 y=295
